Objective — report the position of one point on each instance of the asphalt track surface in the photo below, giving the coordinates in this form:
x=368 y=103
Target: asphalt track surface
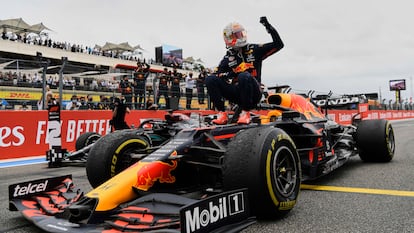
x=359 y=197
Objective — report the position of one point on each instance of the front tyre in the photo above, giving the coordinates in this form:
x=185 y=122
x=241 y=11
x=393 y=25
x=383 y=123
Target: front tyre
x=112 y=154
x=265 y=161
x=375 y=140
x=86 y=139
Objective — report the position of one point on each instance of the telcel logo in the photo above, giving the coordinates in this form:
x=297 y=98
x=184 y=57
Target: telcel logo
x=29 y=189
x=196 y=219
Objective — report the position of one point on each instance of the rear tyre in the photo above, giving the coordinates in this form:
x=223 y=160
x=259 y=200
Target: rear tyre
x=265 y=161
x=86 y=139
x=375 y=140
x=112 y=154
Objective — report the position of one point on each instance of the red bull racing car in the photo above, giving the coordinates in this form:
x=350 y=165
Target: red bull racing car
x=183 y=174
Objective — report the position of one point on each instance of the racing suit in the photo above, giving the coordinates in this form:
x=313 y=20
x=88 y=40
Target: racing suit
x=238 y=75
x=165 y=78
x=140 y=78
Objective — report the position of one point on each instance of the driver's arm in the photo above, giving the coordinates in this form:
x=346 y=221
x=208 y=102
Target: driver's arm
x=272 y=47
x=223 y=69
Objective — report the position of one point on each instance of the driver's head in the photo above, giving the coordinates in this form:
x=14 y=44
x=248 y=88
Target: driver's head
x=235 y=35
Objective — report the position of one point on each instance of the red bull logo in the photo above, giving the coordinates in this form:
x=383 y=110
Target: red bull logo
x=159 y=171
x=304 y=106
x=243 y=67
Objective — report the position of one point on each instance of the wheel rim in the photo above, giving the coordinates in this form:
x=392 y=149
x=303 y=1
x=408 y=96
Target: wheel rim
x=391 y=141
x=285 y=171
x=91 y=140
x=126 y=151
x=125 y=161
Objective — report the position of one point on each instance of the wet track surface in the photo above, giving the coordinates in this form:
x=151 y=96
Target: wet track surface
x=316 y=211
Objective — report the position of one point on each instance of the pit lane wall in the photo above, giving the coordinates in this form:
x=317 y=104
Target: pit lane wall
x=24 y=133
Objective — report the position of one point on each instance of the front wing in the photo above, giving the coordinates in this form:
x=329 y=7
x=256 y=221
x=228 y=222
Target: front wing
x=46 y=203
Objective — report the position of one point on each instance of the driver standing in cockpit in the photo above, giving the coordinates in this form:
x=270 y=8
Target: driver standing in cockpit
x=238 y=76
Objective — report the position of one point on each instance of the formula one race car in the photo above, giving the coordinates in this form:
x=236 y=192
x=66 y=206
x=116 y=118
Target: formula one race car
x=183 y=174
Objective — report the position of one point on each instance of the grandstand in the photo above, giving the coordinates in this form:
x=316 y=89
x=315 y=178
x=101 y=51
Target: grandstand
x=82 y=73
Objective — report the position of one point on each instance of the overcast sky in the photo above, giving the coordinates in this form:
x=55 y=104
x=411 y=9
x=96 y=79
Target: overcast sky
x=348 y=46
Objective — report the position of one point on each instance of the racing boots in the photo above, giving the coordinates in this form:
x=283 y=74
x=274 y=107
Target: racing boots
x=244 y=118
x=222 y=119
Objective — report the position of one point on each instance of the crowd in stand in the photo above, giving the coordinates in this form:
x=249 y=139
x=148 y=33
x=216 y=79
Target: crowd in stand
x=87 y=103
x=172 y=91
x=44 y=40
x=35 y=80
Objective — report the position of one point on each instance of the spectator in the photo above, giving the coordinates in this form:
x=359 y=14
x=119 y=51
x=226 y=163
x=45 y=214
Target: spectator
x=151 y=105
x=48 y=99
x=24 y=78
x=83 y=104
x=118 y=114
x=200 y=86
x=50 y=80
x=89 y=102
x=126 y=89
x=36 y=78
x=140 y=79
x=94 y=85
x=24 y=106
x=73 y=104
x=175 y=84
x=165 y=78
x=189 y=86
x=101 y=105
x=29 y=78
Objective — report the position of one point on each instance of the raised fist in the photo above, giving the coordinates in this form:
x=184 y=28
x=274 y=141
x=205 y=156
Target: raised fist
x=263 y=20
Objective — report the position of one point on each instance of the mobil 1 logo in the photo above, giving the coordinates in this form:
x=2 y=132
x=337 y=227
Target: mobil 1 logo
x=215 y=212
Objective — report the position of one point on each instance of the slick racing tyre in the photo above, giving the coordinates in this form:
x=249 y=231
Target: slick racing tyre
x=86 y=139
x=112 y=154
x=375 y=140
x=265 y=161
